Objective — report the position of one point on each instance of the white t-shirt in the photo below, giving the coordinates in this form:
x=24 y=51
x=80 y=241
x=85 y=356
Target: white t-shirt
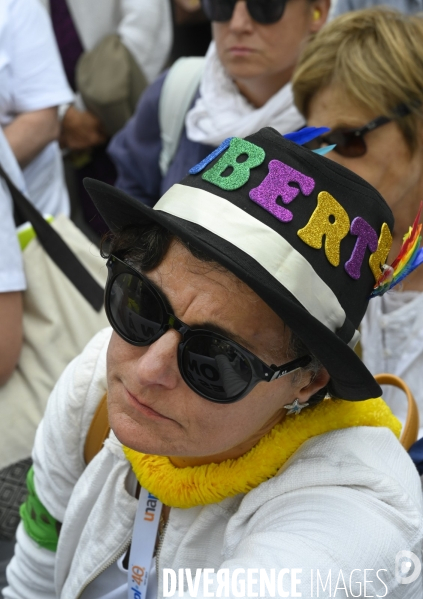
x=143 y=26
x=32 y=78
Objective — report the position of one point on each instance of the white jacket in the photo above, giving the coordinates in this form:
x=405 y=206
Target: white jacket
x=349 y=499
x=392 y=342
x=144 y=26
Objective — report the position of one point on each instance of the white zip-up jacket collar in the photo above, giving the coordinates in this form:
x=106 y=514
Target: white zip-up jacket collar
x=347 y=500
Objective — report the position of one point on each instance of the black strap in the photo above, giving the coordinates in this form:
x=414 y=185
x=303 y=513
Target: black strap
x=56 y=248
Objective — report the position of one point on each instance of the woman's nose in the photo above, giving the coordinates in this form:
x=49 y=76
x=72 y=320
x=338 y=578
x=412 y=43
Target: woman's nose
x=159 y=364
x=241 y=20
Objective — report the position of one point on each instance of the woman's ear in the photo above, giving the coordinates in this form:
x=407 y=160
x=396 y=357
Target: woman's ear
x=320 y=11
x=316 y=381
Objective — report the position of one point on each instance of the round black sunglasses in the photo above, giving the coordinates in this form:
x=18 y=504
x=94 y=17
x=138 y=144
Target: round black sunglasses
x=350 y=142
x=262 y=11
x=211 y=364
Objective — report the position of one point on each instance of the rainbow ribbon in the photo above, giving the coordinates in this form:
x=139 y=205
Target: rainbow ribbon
x=408 y=259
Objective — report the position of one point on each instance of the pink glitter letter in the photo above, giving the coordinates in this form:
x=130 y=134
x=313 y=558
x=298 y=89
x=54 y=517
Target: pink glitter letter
x=276 y=185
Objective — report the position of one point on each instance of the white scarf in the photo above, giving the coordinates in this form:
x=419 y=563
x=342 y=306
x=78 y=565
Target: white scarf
x=222 y=111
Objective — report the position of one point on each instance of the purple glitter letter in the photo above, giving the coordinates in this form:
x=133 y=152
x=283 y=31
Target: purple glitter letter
x=366 y=238
x=276 y=185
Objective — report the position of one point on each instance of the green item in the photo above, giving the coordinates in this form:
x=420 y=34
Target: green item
x=26 y=232
x=240 y=171
x=38 y=523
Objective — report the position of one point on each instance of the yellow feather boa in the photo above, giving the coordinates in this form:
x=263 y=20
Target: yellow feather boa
x=210 y=483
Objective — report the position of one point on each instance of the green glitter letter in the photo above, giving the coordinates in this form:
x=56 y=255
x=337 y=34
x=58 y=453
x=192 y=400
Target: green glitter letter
x=241 y=170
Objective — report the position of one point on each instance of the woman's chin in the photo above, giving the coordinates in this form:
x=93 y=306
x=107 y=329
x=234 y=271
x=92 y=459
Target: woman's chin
x=139 y=436
x=243 y=67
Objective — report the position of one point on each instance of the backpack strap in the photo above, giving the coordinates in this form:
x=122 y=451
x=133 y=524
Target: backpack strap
x=98 y=432
x=56 y=247
x=178 y=91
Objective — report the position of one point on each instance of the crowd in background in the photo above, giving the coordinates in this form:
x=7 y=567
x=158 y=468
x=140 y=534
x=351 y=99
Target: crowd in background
x=136 y=92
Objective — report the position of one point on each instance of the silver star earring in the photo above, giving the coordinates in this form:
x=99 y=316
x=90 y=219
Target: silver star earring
x=295 y=407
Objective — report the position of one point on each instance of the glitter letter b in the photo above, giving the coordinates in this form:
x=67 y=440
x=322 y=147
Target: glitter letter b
x=276 y=185
x=319 y=225
x=240 y=172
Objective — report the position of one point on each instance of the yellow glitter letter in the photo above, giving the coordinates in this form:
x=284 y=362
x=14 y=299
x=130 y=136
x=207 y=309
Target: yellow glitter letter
x=378 y=258
x=319 y=225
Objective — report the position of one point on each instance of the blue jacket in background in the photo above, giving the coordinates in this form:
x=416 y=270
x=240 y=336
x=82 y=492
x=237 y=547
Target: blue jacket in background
x=135 y=150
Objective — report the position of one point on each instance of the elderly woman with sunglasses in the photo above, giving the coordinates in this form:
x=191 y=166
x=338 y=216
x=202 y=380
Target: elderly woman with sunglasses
x=244 y=85
x=362 y=76
x=229 y=470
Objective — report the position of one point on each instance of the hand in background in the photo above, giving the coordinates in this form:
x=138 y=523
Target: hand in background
x=81 y=130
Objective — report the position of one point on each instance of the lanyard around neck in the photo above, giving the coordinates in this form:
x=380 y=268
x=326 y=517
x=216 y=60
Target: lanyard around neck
x=143 y=542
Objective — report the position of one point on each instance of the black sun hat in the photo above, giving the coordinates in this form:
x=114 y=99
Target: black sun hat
x=307 y=235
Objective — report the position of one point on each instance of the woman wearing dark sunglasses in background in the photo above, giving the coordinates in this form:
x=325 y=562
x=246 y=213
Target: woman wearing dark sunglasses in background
x=362 y=76
x=232 y=330
x=243 y=85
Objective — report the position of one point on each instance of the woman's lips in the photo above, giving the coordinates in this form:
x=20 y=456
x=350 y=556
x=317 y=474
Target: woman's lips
x=143 y=408
x=241 y=51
